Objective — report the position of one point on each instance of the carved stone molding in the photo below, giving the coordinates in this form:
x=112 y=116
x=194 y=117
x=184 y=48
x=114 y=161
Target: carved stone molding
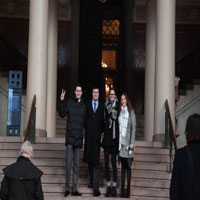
x=185 y=14
x=20 y=9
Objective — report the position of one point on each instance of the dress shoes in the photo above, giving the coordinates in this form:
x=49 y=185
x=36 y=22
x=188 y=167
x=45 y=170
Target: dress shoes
x=66 y=193
x=96 y=193
x=76 y=193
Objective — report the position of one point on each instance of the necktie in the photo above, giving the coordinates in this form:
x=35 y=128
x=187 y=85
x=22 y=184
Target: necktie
x=95 y=106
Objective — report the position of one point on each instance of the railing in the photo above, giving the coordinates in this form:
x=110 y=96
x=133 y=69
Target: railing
x=30 y=129
x=170 y=137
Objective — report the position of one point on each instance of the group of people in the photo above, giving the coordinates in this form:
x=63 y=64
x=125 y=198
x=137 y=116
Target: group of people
x=22 y=179
x=111 y=126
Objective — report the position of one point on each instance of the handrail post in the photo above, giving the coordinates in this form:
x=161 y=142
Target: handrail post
x=166 y=130
x=170 y=148
x=170 y=137
x=30 y=129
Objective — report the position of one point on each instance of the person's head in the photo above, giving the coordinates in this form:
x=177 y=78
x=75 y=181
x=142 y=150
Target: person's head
x=124 y=101
x=112 y=94
x=192 y=130
x=26 y=149
x=78 y=91
x=95 y=93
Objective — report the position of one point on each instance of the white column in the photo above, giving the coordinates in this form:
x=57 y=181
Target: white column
x=52 y=69
x=165 y=65
x=37 y=62
x=150 y=70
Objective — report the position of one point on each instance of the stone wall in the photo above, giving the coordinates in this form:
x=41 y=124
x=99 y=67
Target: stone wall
x=187 y=105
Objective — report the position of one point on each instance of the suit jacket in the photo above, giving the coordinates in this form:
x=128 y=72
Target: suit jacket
x=93 y=130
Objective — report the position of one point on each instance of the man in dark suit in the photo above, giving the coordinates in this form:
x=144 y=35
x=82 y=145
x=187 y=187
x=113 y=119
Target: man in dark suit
x=94 y=128
x=22 y=180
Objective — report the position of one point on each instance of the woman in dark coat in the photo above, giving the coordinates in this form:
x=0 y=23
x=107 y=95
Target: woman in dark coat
x=93 y=130
x=185 y=182
x=110 y=141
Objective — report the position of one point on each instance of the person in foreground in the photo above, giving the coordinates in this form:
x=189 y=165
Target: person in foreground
x=93 y=130
x=127 y=128
x=110 y=141
x=185 y=182
x=75 y=111
x=22 y=179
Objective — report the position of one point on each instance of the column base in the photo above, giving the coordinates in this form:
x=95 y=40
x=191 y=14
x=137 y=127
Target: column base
x=40 y=133
x=159 y=138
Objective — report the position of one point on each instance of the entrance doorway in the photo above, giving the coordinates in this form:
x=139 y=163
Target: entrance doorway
x=110 y=55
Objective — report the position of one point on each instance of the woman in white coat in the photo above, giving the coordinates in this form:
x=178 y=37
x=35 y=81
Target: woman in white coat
x=127 y=128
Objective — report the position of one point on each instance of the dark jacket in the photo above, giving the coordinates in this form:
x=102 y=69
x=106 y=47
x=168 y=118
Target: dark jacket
x=182 y=182
x=76 y=115
x=21 y=181
x=108 y=140
x=93 y=131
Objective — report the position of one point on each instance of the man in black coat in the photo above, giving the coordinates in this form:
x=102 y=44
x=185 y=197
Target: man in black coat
x=76 y=115
x=94 y=128
x=22 y=180
x=185 y=182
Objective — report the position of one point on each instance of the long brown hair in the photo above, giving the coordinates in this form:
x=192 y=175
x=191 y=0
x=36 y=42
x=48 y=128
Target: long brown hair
x=128 y=103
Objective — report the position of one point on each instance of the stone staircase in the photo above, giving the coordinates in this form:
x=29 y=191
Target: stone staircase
x=61 y=127
x=188 y=103
x=150 y=170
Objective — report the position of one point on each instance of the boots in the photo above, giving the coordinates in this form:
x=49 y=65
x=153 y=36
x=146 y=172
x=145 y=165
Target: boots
x=108 y=192
x=128 y=182
x=128 y=192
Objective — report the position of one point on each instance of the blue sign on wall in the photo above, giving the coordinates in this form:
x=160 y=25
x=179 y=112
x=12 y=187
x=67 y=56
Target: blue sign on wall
x=14 y=103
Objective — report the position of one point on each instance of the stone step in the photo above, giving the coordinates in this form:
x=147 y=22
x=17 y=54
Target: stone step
x=87 y=197
x=61 y=126
x=61 y=163
x=83 y=181
x=150 y=170
x=60 y=135
x=61 y=121
x=139 y=155
x=135 y=173
x=60 y=131
x=55 y=141
x=61 y=147
x=151 y=192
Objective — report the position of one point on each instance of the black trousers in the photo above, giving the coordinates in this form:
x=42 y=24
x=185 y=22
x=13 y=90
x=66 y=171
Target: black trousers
x=107 y=154
x=126 y=168
x=94 y=175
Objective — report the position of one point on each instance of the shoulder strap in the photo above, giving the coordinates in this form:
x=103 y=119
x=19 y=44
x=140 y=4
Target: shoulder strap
x=192 y=170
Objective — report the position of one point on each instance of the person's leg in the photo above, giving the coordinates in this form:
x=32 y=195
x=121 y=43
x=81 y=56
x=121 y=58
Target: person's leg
x=69 y=151
x=129 y=163
x=107 y=171
x=96 y=180
x=90 y=169
x=123 y=174
x=107 y=168
x=76 y=171
x=114 y=166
